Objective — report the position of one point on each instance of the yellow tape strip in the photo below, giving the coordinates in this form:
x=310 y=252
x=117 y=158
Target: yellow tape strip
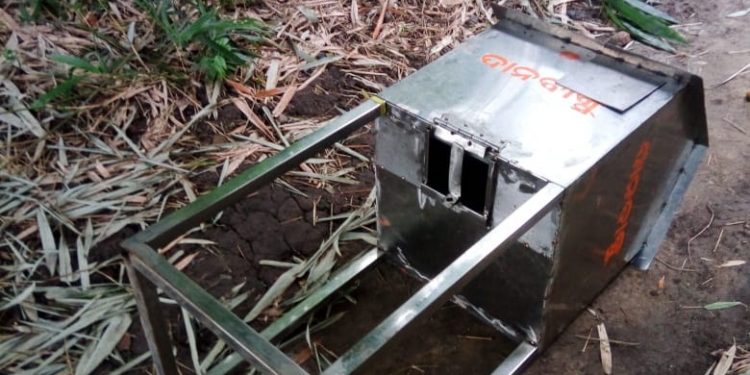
x=381 y=103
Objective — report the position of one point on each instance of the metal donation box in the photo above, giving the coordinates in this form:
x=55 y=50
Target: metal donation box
x=517 y=174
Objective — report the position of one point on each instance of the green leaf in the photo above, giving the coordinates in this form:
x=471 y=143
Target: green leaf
x=215 y=67
x=75 y=62
x=643 y=7
x=646 y=22
x=62 y=89
x=648 y=39
x=723 y=305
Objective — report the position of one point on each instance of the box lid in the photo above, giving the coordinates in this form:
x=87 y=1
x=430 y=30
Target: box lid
x=507 y=86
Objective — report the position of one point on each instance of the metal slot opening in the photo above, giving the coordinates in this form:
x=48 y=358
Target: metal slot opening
x=474 y=175
x=438 y=163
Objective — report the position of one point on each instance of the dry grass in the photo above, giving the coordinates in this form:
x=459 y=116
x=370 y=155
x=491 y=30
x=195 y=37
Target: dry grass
x=107 y=121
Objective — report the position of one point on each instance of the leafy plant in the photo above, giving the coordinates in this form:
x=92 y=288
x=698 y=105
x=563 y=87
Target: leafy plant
x=644 y=22
x=68 y=89
x=209 y=39
x=32 y=10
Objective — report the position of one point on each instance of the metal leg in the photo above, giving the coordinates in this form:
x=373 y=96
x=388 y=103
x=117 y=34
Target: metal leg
x=212 y=313
x=146 y=262
x=516 y=360
x=152 y=322
x=451 y=280
x=295 y=315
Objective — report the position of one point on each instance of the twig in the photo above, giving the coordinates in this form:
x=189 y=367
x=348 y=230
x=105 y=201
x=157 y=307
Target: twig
x=721 y=233
x=734 y=125
x=611 y=341
x=379 y=25
x=586 y=344
x=673 y=267
x=741 y=222
x=480 y=338
x=710 y=221
x=733 y=76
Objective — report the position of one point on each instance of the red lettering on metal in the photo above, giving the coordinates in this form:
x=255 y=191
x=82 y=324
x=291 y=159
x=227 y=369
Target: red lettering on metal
x=583 y=104
x=623 y=217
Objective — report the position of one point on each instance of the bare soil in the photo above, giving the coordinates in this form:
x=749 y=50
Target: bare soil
x=658 y=309
x=675 y=337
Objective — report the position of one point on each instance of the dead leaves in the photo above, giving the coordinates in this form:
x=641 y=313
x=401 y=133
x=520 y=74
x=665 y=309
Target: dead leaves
x=731 y=263
x=733 y=361
x=605 y=350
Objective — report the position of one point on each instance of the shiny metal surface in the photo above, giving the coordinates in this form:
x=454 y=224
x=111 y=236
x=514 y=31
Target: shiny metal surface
x=146 y=266
x=211 y=313
x=552 y=190
x=450 y=280
x=293 y=317
x=619 y=90
x=203 y=208
x=461 y=301
x=509 y=97
x=152 y=320
x=618 y=159
x=645 y=255
x=517 y=359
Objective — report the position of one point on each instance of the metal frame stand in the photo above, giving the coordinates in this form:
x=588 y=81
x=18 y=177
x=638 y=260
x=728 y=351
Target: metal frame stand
x=147 y=300
x=148 y=270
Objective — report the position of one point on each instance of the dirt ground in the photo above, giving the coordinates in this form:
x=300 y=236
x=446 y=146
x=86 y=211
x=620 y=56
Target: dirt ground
x=674 y=339
x=673 y=336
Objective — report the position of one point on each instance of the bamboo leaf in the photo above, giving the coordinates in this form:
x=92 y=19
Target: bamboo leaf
x=18 y=114
x=192 y=342
x=739 y=13
x=48 y=241
x=132 y=363
x=95 y=354
x=275 y=291
x=322 y=268
x=731 y=263
x=62 y=89
x=656 y=26
x=75 y=62
x=65 y=266
x=727 y=358
x=19 y=297
x=723 y=305
x=361 y=236
x=639 y=35
x=648 y=9
x=83 y=263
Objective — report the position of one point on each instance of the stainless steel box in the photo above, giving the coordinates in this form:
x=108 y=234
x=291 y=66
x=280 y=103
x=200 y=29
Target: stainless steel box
x=471 y=137
x=521 y=171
